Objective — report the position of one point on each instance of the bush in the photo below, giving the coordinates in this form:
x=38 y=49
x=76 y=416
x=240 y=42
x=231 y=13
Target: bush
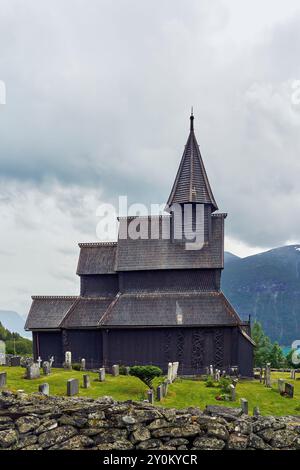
x=146 y=373
x=76 y=366
x=224 y=384
x=209 y=382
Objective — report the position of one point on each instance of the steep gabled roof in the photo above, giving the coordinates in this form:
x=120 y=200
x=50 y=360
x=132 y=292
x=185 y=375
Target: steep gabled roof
x=97 y=258
x=48 y=312
x=191 y=183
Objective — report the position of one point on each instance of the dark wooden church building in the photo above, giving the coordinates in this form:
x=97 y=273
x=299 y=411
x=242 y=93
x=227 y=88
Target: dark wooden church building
x=151 y=300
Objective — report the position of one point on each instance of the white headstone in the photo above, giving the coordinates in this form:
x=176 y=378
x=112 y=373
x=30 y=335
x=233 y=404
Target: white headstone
x=39 y=361
x=51 y=360
x=175 y=366
x=102 y=374
x=82 y=364
x=2 y=353
x=170 y=372
x=211 y=370
x=232 y=392
x=68 y=360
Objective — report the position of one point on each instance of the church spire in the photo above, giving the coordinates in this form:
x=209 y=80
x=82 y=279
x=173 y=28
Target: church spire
x=191 y=184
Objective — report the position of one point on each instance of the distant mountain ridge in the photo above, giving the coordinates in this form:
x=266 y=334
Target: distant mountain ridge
x=267 y=287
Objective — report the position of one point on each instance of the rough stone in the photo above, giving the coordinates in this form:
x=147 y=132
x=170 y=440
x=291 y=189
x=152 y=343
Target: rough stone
x=8 y=438
x=237 y=441
x=27 y=423
x=56 y=436
x=208 y=443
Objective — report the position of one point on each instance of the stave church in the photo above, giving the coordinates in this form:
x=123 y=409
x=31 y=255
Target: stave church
x=151 y=300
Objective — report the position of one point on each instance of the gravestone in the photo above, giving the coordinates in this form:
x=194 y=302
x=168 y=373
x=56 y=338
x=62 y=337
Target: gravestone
x=244 y=405
x=39 y=361
x=115 y=370
x=281 y=386
x=175 y=366
x=2 y=353
x=160 y=392
x=211 y=371
x=127 y=370
x=46 y=368
x=3 y=378
x=293 y=374
x=44 y=389
x=86 y=381
x=289 y=389
x=165 y=385
x=68 y=360
x=72 y=387
x=51 y=360
x=232 y=392
x=170 y=372
x=268 y=375
x=150 y=396
x=102 y=374
x=15 y=361
x=82 y=367
x=217 y=375
x=256 y=411
x=32 y=371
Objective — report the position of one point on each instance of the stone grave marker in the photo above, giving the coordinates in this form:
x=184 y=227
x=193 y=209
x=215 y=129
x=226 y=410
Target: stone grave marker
x=82 y=366
x=68 y=360
x=3 y=377
x=170 y=372
x=115 y=370
x=32 y=371
x=232 y=392
x=46 y=368
x=2 y=353
x=175 y=366
x=86 y=381
x=44 y=389
x=244 y=405
x=165 y=387
x=102 y=374
x=15 y=361
x=211 y=370
x=289 y=390
x=150 y=396
x=217 y=375
x=72 y=387
x=256 y=411
x=160 y=392
x=293 y=374
x=127 y=370
x=51 y=360
x=268 y=375
x=39 y=361
x=281 y=386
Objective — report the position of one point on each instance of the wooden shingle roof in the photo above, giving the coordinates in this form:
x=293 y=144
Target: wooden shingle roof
x=148 y=254
x=97 y=258
x=191 y=183
x=171 y=309
x=48 y=312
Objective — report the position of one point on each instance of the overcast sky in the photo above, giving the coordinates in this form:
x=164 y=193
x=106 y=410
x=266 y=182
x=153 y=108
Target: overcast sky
x=98 y=95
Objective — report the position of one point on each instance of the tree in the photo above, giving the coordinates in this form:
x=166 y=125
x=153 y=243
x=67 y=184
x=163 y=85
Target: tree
x=277 y=358
x=14 y=342
x=146 y=373
x=265 y=351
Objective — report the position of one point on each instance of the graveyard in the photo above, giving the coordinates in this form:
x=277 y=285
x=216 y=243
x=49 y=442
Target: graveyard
x=182 y=393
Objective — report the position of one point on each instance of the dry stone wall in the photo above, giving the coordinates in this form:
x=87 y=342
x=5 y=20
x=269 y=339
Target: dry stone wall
x=38 y=422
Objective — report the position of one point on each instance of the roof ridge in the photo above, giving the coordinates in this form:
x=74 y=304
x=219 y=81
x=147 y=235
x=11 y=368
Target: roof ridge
x=95 y=244
x=54 y=297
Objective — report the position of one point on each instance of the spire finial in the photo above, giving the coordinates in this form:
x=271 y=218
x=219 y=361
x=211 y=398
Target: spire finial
x=192 y=119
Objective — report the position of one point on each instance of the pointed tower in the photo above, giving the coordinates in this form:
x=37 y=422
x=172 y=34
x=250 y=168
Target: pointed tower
x=191 y=189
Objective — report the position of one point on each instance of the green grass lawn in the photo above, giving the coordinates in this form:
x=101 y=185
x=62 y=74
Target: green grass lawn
x=182 y=393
